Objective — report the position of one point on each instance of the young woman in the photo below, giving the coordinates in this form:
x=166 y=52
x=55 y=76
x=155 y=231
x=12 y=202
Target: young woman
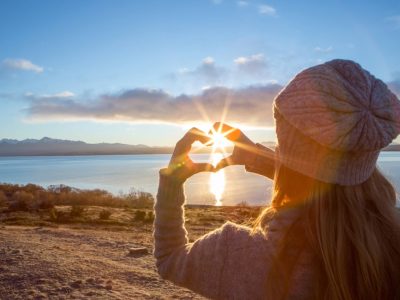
x=332 y=230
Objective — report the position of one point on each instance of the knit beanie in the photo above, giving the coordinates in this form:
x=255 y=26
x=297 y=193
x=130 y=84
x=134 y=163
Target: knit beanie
x=332 y=120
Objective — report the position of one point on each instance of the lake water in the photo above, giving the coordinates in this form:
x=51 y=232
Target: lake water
x=119 y=173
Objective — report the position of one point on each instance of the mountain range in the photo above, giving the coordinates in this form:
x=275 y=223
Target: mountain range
x=49 y=146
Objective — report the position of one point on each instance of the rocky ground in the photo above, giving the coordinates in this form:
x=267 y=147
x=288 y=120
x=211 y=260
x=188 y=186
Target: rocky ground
x=76 y=261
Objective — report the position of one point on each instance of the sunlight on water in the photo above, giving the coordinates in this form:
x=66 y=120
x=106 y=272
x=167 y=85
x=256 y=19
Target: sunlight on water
x=217 y=180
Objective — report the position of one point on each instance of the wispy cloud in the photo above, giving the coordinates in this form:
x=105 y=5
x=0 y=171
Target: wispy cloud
x=394 y=20
x=265 y=9
x=21 y=64
x=208 y=72
x=249 y=106
x=253 y=65
x=323 y=50
x=56 y=96
x=216 y=1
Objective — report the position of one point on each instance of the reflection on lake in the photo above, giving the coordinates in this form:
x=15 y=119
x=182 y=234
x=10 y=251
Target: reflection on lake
x=217 y=180
x=118 y=173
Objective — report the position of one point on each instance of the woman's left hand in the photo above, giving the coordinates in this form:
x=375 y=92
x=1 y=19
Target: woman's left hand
x=181 y=167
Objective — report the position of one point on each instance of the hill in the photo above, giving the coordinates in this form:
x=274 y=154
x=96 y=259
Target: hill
x=49 y=146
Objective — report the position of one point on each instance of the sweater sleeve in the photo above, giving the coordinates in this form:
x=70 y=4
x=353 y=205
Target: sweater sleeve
x=261 y=161
x=197 y=266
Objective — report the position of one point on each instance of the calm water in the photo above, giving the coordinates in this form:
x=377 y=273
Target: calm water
x=119 y=173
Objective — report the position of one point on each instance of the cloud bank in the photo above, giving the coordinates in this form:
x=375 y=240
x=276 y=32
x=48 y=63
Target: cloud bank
x=250 y=106
x=22 y=65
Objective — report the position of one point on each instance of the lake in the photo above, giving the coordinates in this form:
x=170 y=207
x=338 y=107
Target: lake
x=120 y=173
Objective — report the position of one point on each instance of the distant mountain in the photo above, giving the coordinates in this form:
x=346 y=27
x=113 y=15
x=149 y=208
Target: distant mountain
x=49 y=146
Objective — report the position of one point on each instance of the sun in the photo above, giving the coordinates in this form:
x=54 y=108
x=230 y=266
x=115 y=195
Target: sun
x=219 y=142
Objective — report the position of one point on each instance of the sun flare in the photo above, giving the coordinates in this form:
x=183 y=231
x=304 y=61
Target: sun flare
x=219 y=141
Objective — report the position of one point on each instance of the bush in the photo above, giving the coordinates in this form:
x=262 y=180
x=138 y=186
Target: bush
x=139 y=199
x=59 y=216
x=105 y=214
x=3 y=199
x=242 y=204
x=77 y=211
x=140 y=215
x=21 y=201
x=150 y=217
x=33 y=197
x=46 y=204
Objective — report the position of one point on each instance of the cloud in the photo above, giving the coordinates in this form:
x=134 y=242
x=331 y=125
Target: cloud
x=249 y=106
x=394 y=20
x=216 y=1
x=21 y=64
x=323 y=50
x=242 y=3
x=56 y=96
x=207 y=72
x=266 y=10
x=252 y=65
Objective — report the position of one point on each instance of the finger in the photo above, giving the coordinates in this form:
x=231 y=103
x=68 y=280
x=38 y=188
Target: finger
x=185 y=144
x=227 y=161
x=231 y=133
x=203 y=167
x=196 y=134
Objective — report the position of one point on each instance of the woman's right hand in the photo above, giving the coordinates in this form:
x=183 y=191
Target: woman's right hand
x=243 y=146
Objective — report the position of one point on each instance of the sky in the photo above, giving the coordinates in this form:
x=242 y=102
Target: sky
x=144 y=72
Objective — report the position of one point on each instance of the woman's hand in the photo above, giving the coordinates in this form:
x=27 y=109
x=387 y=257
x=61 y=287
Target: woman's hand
x=181 y=167
x=243 y=146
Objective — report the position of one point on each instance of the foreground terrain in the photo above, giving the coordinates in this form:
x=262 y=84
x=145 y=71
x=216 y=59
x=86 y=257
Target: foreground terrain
x=91 y=259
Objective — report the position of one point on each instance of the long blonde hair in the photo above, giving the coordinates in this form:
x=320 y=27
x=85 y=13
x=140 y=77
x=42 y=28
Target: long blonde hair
x=352 y=231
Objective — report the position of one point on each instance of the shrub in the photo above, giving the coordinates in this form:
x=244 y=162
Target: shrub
x=31 y=196
x=77 y=211
x=139 y=199
x=21 y=201
x=150 y=217
x=242 y=204
x=3 y=199
x=140 y=215
x=46 y=204
x=44 y=200
x=59 y=216
x=105 y=214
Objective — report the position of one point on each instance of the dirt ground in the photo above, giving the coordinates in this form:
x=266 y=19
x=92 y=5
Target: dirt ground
x=88 y=258
x=70 y=263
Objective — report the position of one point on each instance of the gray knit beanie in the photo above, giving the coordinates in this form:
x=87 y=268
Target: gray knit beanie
x=332 y=120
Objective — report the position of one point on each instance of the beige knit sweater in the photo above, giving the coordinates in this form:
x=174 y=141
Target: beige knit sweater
x=227 y=263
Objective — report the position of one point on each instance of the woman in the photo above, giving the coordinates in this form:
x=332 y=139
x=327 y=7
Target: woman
x=332 y=230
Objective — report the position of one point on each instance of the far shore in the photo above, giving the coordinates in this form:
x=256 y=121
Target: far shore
x=170 y=150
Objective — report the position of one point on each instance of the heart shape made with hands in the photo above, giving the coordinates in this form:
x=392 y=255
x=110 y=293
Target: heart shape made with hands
x=219 y=147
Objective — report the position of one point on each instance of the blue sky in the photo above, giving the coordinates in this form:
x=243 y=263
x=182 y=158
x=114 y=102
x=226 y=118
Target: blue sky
x=69 y=69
